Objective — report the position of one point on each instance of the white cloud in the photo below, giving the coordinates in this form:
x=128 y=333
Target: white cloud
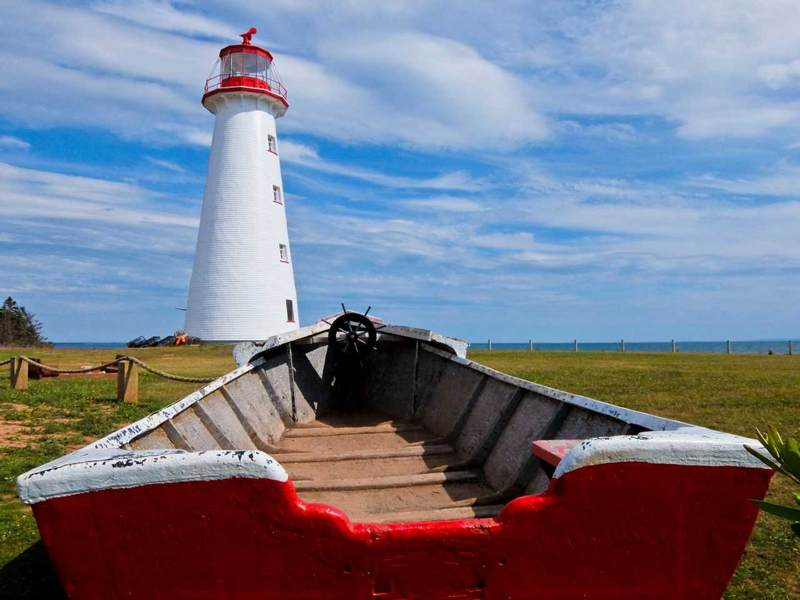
x=782 y=179
x=10 y=142
x=703 y=64
x=447 y=204
x=619 y=132
x=34 y=194
x=443 y=92
x=302 y=155
x=427 y=78
x=166 y=164
x=779 y=75
x=294 y=152
x=744 y=120
x=162 y=14
x=150 y=78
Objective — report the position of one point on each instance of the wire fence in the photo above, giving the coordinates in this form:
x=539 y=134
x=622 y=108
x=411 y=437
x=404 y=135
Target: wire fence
x=718 y=347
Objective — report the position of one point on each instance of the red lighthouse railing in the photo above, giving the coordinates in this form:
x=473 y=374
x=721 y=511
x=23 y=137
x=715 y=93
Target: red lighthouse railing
x=249 y=80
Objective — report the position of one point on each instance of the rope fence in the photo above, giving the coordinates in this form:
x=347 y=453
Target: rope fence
x=127 y=374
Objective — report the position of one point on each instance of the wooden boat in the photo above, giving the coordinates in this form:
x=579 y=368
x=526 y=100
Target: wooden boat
x=321 y=468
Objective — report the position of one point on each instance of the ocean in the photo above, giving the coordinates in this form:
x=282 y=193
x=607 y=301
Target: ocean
x=750 y=347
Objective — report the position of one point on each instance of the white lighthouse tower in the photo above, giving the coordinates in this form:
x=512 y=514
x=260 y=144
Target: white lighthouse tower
x=242 y=285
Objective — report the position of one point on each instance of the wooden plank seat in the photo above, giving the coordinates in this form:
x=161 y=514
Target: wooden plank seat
x=552 y=451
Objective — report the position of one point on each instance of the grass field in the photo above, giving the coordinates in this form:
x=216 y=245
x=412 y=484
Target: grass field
x=732 y=393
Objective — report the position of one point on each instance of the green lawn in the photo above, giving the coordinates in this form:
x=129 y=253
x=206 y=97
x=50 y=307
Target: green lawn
x=732 y=393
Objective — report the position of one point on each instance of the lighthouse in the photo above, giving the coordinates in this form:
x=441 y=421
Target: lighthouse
x=242 y=285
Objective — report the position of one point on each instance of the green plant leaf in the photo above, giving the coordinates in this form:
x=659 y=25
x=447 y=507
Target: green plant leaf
x=768 y=441
x=771 y=464
x=784 y=512
x=796 y=497
x=776 y=435
x=775 y=442
x=790 y=456
x=764 y=441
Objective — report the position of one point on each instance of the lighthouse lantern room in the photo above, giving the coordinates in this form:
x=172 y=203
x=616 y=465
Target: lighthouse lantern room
x=242 y=285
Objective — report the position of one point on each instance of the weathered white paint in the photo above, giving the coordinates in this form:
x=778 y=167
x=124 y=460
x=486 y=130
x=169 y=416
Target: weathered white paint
x=150 y=422
x=242 y=353
x=239 y=284
x=94 y=470
x=688 y=446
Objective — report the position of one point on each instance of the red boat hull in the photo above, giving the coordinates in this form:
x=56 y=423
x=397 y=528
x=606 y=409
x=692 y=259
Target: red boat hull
x=609 y=531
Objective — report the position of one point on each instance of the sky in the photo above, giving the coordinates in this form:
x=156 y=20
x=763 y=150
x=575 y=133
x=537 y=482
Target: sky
x=512 y=170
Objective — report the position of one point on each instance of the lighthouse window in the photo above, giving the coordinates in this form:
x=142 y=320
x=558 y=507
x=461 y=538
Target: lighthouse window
x=225 y=69
x=284 y=252
x=237 y=64
x=276 y=194
x=262 y=67
x=273 y=146
x=250 y=64
x=290 y=311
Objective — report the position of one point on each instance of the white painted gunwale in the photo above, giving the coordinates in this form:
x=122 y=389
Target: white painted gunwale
x=687 y=446
x=114 y=469
x=97 y=466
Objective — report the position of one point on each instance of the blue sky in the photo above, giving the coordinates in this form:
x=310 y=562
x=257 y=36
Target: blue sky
x=548 y=170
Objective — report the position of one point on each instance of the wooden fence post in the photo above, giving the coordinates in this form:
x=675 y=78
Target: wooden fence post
x=623 y=345
x=728 y=349
x=576 y=345
x=490 y=344
x=790 y=347
x=19 y=373
x=530 y=346
x=673 y=346
x=127 y=381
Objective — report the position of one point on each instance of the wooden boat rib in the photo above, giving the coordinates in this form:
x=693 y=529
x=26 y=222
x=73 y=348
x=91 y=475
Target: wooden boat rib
x=397 y=468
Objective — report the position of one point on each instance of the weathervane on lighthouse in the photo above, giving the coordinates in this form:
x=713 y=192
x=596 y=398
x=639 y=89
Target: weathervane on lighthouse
x=242 y=285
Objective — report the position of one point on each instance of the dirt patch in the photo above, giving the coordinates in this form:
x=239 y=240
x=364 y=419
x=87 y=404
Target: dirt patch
x=12 y=436
x=14 y=406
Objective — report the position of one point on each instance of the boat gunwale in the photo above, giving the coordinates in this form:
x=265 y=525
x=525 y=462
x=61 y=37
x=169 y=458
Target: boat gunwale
x=592 y=451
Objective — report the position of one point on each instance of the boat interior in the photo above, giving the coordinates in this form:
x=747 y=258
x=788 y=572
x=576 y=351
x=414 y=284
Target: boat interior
x=408 y=432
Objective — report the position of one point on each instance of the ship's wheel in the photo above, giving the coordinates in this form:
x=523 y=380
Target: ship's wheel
x=352 y=336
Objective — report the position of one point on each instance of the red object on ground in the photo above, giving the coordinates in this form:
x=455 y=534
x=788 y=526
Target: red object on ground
x=608 y=532
x=35 y=372
x=552 y=451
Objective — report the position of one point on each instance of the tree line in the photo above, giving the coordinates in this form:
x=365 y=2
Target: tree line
x=18 y=327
